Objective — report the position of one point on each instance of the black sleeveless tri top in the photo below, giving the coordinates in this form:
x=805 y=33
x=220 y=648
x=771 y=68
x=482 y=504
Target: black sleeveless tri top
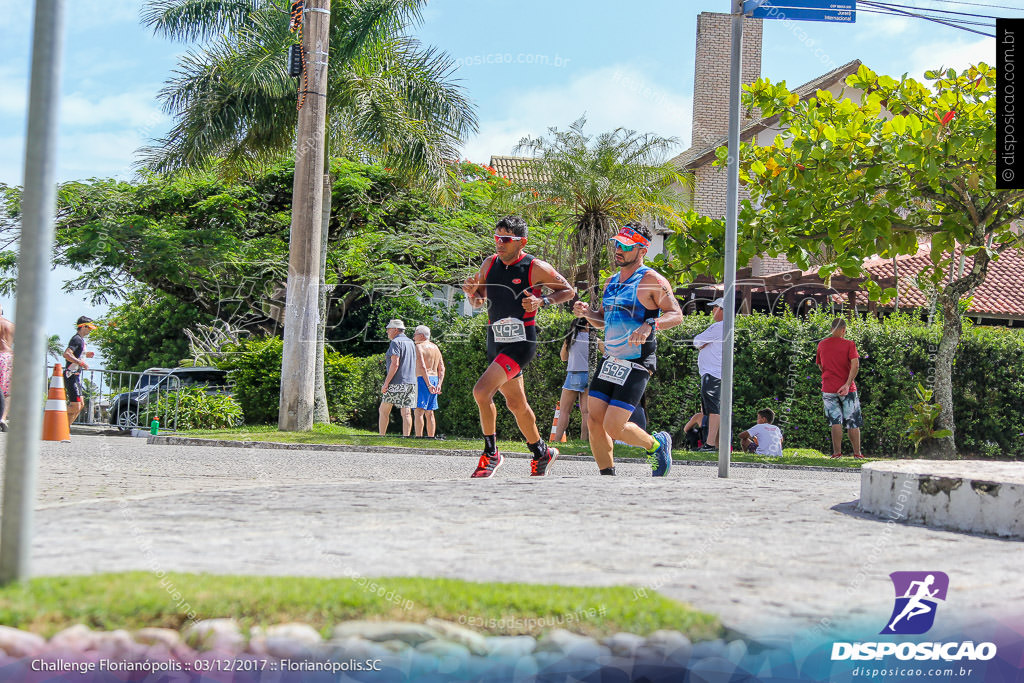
x=506 y=287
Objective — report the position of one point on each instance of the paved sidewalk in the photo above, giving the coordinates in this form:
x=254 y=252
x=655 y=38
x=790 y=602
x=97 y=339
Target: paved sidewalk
x=763 y=549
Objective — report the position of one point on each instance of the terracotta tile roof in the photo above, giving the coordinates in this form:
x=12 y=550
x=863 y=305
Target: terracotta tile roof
x=1001 y=295
x=516 y=169
x=701 y=154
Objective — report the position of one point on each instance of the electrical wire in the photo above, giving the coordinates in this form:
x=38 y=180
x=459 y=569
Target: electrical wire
x=895 y=10
x=933 y=9
x=974 y=4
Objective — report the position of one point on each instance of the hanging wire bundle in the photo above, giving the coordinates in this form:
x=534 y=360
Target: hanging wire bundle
x=295 y=25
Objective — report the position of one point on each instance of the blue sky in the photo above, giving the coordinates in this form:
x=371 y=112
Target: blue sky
x=528 y=65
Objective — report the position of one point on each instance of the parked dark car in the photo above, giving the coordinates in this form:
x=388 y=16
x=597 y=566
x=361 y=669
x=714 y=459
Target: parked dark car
x=126 y=409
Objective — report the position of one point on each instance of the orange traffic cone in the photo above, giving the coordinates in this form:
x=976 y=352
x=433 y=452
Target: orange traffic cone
x=554 y=423
x=55 y=419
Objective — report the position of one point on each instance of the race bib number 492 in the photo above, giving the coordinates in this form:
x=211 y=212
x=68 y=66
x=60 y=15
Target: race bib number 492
x=614 y=371
x=508 y=330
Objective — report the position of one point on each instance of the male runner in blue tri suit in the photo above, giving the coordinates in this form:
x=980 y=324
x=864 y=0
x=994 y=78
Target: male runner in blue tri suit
x=510 y=282
x=637 y=302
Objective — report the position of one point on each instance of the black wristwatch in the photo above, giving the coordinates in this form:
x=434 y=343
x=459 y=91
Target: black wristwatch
x=544 y=301
x=653 y=322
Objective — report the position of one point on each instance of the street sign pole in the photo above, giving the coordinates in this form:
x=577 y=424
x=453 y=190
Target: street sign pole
x=731 y=218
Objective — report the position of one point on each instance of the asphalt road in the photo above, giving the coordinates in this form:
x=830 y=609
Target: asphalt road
x=770 y=551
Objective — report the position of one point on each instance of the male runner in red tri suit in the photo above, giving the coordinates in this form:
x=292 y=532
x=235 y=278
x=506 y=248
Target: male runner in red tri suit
x=510 y=283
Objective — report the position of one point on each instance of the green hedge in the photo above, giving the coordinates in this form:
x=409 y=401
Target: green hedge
x=774 y=367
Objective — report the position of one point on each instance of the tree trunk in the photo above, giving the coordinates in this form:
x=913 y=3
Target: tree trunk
x=321 y=415
x=945 y=448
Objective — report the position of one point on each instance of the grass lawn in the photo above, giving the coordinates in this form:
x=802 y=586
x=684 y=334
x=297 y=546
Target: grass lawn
x=335 y=434
x=134 y=600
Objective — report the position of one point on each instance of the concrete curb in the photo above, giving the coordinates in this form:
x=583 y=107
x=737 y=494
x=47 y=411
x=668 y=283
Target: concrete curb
x=349 y=448
x=974 y=496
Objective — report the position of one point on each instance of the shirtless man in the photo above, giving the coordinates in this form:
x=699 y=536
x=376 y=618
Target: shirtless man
x=6 y=359
x=429 y=378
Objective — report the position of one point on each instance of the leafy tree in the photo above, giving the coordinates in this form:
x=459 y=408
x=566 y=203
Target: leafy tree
x=908 y=164
x=219 y=247
x=146 y=330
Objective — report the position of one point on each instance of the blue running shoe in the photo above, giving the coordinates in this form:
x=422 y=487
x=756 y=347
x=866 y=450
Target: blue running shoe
x=661 y=459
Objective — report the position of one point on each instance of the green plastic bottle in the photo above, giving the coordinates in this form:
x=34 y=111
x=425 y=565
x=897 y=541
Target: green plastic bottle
x=154 y=426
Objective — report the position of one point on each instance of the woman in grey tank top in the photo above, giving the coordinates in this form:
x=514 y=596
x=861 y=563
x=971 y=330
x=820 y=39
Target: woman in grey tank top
x=574 y=352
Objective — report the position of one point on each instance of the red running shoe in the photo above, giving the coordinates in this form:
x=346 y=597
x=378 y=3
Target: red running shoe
x=539 y=465
x=488 y=464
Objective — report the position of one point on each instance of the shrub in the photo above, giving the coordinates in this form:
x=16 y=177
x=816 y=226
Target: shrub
x=193 y=408
x=774 y=368
x=254 y=368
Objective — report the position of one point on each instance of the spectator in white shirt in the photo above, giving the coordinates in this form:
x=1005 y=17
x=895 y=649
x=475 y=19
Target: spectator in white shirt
x=709 y=365
x=764 y=438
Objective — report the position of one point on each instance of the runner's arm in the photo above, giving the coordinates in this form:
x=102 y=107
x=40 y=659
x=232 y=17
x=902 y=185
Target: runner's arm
x=69 y=356
x=561 y=290
x=656 y=293
x=661 y=295
x=475 y=287
x=581 y=309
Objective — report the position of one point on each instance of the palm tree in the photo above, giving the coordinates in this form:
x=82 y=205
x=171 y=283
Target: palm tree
x=590 y=186
x=389 y=98
x=54 y=347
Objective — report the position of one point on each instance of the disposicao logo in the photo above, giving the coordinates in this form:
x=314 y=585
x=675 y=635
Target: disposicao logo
x=917 y=597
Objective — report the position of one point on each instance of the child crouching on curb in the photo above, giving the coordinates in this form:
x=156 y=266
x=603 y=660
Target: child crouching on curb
x=764 y=438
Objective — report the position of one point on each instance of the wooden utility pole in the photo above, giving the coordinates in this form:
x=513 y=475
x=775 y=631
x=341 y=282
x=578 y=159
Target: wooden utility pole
x=298 y=361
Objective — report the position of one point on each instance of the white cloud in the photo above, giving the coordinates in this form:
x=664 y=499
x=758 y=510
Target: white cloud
x=958 y=55
x=876 y=26
x=137 y=109
x=98 y=155
x=13 y=92
x=610 y=97
x=12 y=159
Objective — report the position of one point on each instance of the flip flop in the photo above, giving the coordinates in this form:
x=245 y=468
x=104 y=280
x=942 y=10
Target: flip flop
x=836 y=456
x=860 y=457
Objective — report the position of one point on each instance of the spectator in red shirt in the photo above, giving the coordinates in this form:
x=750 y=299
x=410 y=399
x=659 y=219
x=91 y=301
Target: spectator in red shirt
x=839 y=362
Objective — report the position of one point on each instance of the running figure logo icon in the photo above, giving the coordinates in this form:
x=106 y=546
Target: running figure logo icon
x=917 y=596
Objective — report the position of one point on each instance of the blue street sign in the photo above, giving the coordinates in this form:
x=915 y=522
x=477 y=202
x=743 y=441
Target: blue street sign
x=838 y=11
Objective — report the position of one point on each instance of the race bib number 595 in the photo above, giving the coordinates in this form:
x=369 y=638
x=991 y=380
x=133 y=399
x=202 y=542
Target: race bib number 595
x=615 y=371
x=508 y=330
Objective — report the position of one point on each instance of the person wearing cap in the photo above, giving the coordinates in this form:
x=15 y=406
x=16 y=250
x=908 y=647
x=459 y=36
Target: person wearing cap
x=75 y=354
x=636 y=303
x=709 y=366
x=511 y=284
x=429 y=378
x=399 y=387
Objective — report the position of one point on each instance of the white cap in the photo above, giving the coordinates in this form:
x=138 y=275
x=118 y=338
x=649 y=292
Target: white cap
x=396 y=325
x=424 y=330
x=720 y=302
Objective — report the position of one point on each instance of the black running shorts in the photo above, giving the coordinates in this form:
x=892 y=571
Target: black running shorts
x=627 y=395
x=514 y=357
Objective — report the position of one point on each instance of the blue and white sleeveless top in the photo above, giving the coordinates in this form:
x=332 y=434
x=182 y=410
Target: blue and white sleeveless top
x=623 y=313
